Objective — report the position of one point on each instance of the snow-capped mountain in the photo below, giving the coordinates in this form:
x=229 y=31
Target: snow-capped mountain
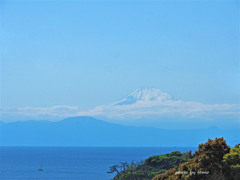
x=144 y=94
x=144 y=104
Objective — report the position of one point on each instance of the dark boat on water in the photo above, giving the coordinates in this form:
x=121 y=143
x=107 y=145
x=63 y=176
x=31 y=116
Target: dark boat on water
x=40 y=169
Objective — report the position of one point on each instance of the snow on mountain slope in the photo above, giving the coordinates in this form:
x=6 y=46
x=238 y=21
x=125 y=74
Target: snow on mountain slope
x=144 y=94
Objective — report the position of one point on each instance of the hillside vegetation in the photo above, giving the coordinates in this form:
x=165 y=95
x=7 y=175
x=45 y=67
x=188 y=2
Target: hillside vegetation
x=214 y=160
x=152 y=166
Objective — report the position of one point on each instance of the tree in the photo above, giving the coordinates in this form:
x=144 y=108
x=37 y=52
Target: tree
x=231 y=163
x=113 y=169
x=145 y=170
x=124 y=165
x=188 y=155
x=211 y=153
x=206 y=163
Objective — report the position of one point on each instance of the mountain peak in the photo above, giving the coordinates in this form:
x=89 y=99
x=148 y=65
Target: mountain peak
x=144 y=94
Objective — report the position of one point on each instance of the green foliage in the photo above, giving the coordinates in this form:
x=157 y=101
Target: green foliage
x=211 y=153
x=212 y=161
x=233 y=157
x=207 y=163
x=231 y=163
x=152 y=166
x=166 y=161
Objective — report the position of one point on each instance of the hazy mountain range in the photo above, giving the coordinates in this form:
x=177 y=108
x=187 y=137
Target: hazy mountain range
x=143 y=107
x=88 y=131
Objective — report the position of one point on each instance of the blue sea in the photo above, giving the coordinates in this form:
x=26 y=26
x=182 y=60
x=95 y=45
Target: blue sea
x=70 y=163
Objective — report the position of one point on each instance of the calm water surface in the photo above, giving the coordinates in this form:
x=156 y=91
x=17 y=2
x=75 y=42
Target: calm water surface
x=70 y=163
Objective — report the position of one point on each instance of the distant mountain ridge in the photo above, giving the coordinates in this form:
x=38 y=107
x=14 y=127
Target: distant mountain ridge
x=87 y=131
x=149 y=107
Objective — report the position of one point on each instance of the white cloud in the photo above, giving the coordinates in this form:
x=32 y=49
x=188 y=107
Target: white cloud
x=154 y=109
x=34 y=112
x=154 y=103
x=141 y=103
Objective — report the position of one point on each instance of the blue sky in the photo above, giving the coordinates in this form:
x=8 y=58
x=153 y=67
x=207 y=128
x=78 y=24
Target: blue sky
x=87 y=54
